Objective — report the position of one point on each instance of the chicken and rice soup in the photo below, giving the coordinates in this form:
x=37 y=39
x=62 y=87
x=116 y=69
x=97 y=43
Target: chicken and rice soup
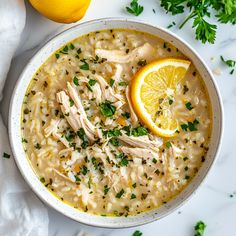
x=86 y=143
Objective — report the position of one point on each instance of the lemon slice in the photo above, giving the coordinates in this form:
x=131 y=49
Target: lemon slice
x=153 y=91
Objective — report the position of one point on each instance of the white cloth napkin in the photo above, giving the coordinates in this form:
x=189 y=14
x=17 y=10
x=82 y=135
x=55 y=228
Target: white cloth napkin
x=21 y=213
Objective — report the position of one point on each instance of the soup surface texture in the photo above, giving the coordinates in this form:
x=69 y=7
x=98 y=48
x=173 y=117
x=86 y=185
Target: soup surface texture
x=85 y=142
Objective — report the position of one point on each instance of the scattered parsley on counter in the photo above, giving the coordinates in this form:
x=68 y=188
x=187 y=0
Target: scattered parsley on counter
x=199 y=228
x=135 y=8
x=171 y=25
x=5 y=155
x=199 y=11
x=137 y=233
x=229 y=63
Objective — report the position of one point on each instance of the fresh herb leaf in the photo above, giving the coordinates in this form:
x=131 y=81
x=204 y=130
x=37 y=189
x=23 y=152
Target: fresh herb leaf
x=84 y=170
x=71 y=103
x=72 y=46
x=133 y=196
x=42 y=180
x=92 y=82
x=107 y=109
x=112 y=81
x=6 y=155
x=229 y=63
x=114 y=142
x=57 y=55
x=168 y=145
x=170 y=101
x=192 y=126
x=38 y=146
x=189 y=106
x=119 y=194
x=106 y=190
x=112 y=133
x=137 y=233
x=135 y=8
x=126 y=115
x=83 y=137
x=199 y=228
x=142 y=62
x=84 y=66
x=122 y=83
x=139 y=131
x=75 y=81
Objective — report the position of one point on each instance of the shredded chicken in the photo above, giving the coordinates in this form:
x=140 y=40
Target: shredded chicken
x=51 y=128
x=88 y=127
x=117 y=75
x=141 y=142
x=70 y=112
x=133 y=116
x=107 y=91
x=119 y=56
x=62 y=176
x=139 y=152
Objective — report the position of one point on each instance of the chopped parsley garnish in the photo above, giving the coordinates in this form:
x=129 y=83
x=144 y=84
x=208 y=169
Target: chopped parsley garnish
x=134 y=185
x=64 y=50
x=94 y=162
x=124 y=161
x=229 y=63
x=168 y=145
x=144 y=196
x=24 y=140
x=171 y=25
x=135 y=8
x=133 y=196
x=119 y=194
x=72 y=46
x=81 y=134
x=189 y=106
x=107 y=109
x=142 y=62
x=38 y=146
x=199 y=228
x=71 y=103
x=154 y=160
x=42 y=179
x=92 y=82
x=84 y=66
x=6 y=155
x=57 y=55
x=112 y=81
x=106 y=190
x=112 y=133
x=75 y=81
x=84 y=170
x=126 y=115
x=139 y=131
x=114 y=142
x=137 y=233
x=77 y=179
x=122 y=83
x=191 y=126
x=170 y=101
x=185 y=89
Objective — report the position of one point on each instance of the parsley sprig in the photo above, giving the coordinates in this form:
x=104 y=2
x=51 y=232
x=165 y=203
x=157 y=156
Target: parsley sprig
x=134 y=8
x=199 y=228
x=225 y=11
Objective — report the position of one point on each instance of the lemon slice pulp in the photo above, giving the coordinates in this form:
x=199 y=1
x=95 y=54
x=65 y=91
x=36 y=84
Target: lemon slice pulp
x=153 y=91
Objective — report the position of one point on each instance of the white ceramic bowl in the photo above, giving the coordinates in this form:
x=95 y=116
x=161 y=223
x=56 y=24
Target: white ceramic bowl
x=15 y=124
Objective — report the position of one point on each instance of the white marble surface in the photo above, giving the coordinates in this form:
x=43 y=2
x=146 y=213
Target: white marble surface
x=212 y=202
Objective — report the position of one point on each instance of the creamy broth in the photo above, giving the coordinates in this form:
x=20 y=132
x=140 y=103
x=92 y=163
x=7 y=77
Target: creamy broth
x=80 y=137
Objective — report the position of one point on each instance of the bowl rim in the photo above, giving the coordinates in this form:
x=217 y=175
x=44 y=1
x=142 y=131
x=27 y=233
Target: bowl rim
x=11 y=124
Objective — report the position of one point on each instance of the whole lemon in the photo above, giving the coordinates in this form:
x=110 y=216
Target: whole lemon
x=62 y=11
